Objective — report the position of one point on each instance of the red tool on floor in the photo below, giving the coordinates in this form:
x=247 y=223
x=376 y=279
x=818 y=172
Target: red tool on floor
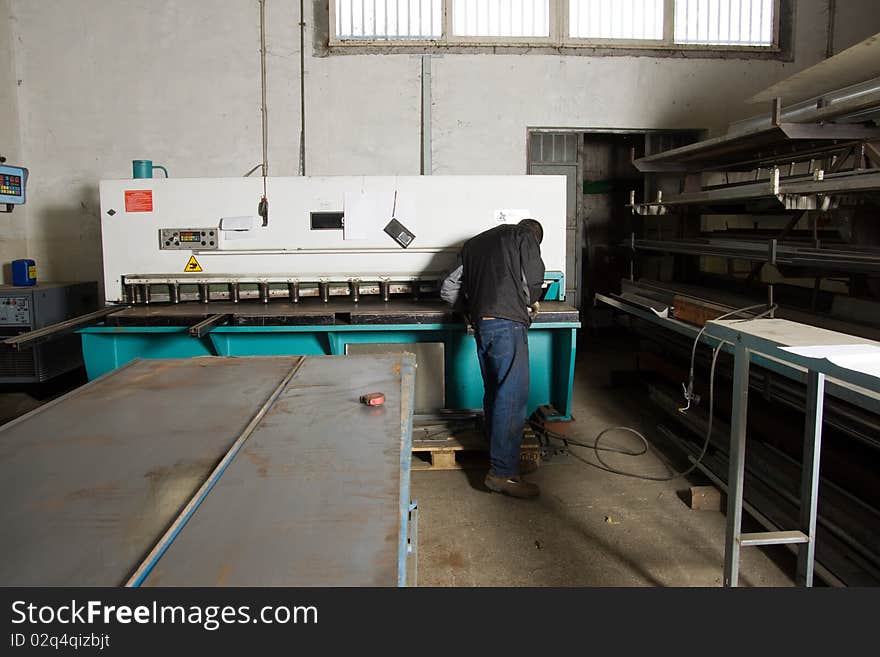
x=373 y=399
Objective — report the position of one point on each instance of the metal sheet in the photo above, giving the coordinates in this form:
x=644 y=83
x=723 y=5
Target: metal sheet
x=318 y=495
x=89 y=482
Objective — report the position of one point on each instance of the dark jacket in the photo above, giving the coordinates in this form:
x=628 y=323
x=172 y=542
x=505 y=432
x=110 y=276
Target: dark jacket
x=502 y=274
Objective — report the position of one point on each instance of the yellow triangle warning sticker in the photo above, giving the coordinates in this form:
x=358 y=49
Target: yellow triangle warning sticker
x=193 y=265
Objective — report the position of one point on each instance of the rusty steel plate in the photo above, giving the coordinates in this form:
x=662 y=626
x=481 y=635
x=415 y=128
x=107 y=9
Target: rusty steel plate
x=90 y=482
x=319 y=494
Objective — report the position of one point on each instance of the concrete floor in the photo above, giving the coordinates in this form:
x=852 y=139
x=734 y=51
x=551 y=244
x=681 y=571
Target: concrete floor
x=589 y=527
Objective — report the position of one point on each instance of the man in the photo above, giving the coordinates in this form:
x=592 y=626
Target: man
x=501 y=275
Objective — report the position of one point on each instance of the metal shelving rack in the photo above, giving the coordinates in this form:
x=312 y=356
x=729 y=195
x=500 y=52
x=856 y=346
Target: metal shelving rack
x=794 y=163
x=783 y=166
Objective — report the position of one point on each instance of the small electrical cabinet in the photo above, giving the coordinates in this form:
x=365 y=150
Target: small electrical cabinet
x=25 y=309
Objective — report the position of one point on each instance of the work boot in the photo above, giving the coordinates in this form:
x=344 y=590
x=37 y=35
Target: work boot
x=513 y=486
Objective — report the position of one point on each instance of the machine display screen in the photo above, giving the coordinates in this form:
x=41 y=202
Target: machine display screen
x=190 y=236
x=12 y=184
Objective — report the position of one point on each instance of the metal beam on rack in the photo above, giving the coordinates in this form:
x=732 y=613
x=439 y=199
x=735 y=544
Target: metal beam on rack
x=848 y=260
x=783 y=191
x=728 y=150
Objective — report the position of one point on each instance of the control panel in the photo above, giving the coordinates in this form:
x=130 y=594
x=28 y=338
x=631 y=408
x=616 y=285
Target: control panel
x=179 y=239
x=15 y=311
x=13 y=181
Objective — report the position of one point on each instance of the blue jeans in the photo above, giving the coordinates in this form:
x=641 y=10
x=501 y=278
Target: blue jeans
x=503 y=351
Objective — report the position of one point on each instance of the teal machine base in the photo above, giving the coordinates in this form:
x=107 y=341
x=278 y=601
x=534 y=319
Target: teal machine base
x=552 y=348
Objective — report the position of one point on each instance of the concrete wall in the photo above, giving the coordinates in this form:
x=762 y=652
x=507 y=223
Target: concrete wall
x=854 y=21
x=179 y=82
x=13 y=226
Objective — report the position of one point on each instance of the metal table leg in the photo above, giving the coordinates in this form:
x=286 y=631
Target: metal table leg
x=412 y=577
x=739 y=418
x=810 y=476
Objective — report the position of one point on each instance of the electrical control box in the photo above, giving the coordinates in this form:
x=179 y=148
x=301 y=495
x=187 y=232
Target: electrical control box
x=13 y=182
x=188 y=239
x=25 y=309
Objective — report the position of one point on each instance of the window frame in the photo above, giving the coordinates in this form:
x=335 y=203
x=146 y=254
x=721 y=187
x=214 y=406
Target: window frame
x=558 y=38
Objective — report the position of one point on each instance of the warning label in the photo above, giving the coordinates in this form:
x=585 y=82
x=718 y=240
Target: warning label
x=193 y=265
x=139 y=200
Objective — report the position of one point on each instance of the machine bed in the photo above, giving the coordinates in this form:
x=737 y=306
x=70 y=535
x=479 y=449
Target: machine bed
x=334 y=312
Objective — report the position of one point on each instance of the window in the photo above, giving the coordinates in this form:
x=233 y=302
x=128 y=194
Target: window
x=725 y=22
x=659 y=24
x=607 y=19
x=387 y=20
x=501 y=18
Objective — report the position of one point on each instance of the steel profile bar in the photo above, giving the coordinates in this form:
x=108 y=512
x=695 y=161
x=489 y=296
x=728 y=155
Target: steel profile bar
x=837 y=259
x=727 y=148
x=407 y=402
x=864 y=103
x=752 y=191
x=810 y=476
x=38 y=336
x=841 y=131
x=832 y=184
x=736 y=474
x=204 y=327
x=860 y=182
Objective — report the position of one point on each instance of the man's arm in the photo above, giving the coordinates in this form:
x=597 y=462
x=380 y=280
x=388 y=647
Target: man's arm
x=532 y=267
x=450 y=287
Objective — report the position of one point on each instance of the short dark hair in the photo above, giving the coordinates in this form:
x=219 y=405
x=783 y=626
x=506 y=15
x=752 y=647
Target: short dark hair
x=534 y=226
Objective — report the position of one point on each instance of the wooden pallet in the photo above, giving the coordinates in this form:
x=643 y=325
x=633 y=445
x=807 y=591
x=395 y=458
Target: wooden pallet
x=464 y=451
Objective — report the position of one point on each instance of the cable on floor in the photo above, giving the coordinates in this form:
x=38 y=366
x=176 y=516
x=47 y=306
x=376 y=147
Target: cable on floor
x=689 y=397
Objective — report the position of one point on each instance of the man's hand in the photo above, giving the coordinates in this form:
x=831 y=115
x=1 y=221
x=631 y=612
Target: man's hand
x=534 y=309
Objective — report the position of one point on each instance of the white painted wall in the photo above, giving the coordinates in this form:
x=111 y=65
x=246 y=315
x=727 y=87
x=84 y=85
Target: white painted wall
x=855 y=21
x=178 y=81
x=13 y=226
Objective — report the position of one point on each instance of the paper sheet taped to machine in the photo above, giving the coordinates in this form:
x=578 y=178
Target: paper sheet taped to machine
x=239 y=223
x=239 y=228
x=864 y=358
x=366 y=214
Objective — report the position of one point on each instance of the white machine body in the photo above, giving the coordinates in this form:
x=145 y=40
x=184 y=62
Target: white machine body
x=142 y=220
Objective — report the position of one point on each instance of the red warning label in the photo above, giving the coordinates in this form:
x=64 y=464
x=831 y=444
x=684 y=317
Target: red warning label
x=139 y=200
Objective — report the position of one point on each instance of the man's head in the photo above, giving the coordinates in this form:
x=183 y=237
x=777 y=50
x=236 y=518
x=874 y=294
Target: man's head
x=535 y=228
